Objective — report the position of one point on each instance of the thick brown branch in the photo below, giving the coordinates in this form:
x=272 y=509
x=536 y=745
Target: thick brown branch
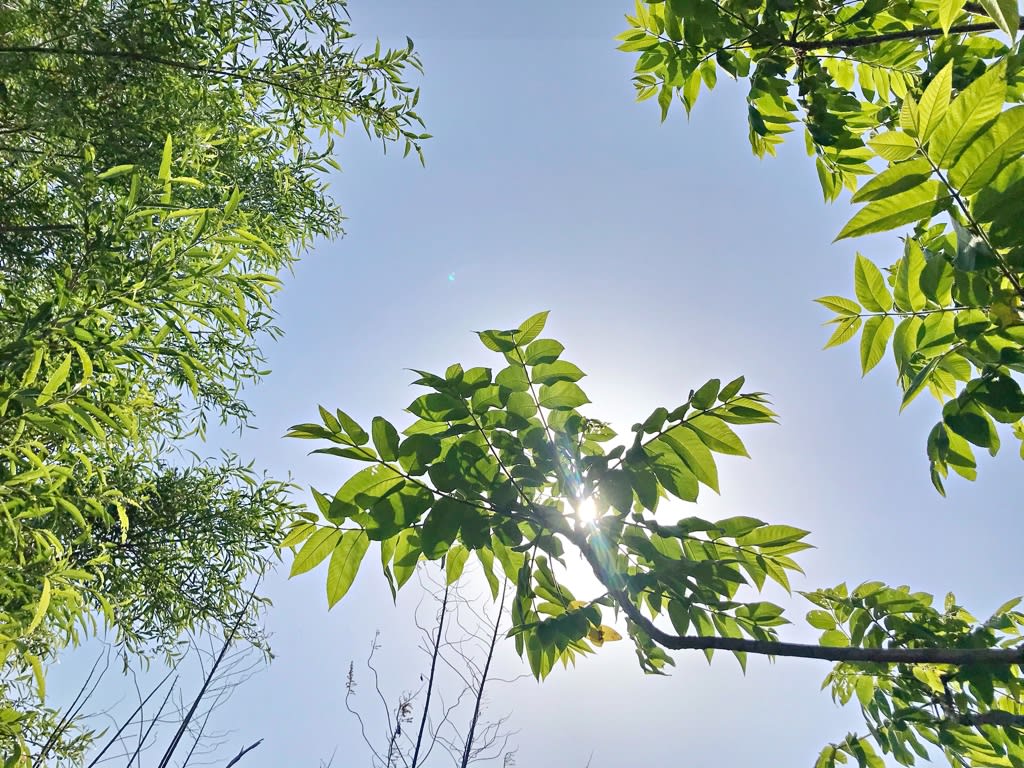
x=956 y=656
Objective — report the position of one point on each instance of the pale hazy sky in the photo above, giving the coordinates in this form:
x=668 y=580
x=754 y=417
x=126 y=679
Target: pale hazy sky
x=668 y=254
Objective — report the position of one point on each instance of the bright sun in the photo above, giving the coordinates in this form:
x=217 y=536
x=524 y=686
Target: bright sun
x=586 y=511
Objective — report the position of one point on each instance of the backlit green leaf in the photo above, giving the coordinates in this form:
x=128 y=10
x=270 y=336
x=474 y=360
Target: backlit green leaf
x=316 y=548
x=918 y=204
x=345 y=560
x=874 y=340
x=870 y=286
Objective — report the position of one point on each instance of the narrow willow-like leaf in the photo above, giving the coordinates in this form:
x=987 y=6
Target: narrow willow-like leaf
x=41 y=607
x=873 y=341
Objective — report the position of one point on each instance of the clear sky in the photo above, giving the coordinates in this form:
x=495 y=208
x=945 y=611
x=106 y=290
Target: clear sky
x=667 y=254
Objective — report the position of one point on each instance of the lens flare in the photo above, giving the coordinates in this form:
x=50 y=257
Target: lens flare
x=586 y=511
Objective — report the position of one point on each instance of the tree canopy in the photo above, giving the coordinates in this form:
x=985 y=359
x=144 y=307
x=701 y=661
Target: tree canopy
x=506 y=467
x=163 y=162
x=914 y=107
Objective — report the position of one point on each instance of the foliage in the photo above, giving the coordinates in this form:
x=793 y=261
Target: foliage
x=504 y=467
x=906 y=105
x=161 y=165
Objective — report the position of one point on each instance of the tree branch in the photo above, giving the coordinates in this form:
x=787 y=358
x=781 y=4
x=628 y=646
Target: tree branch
x=809 y=46
x=242 y=753
x=956 y=656
x=430 y=682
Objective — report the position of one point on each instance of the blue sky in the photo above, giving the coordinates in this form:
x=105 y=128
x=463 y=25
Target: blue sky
x=667 y=254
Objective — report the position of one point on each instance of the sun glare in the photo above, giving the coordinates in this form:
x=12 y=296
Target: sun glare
x=586 y=511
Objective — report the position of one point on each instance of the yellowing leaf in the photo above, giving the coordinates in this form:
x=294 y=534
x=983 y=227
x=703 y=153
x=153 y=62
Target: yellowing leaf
x=41 y=606
x=603 y=634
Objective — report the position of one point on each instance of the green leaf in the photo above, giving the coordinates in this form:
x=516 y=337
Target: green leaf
x=671 y=472
x=989 y=153
x=839 y=305
x=821 y=619
x=833 y=638
x=874 y=340
x=455 y=562
x=918 y=204
x=345 y=560
x=948 y=12
x=385 y=438
x=40 y=679
x=514 y=378
x=616 y=489
x=352 y=429
x=543 y=351
x=41 y=607
x=498 y=341
x=771 y=536
x=931 y=109
x=731 y=389
x=486 y=557
x=364 y=489
x=1005 y=14
x=562 y=395
x=560 y=370
x=165 y=161
x=531 y=328
x=441 y=527
x=976 y=105
x=893 y=146
x=894 y=180
x=918 y=382
x=870 y=287
x=117 y=170
x=694 y=453
x=846 y=329
x=716 y=435
x=317 y=547
x=705 y=397
x=56 y=380
x=907 y=292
